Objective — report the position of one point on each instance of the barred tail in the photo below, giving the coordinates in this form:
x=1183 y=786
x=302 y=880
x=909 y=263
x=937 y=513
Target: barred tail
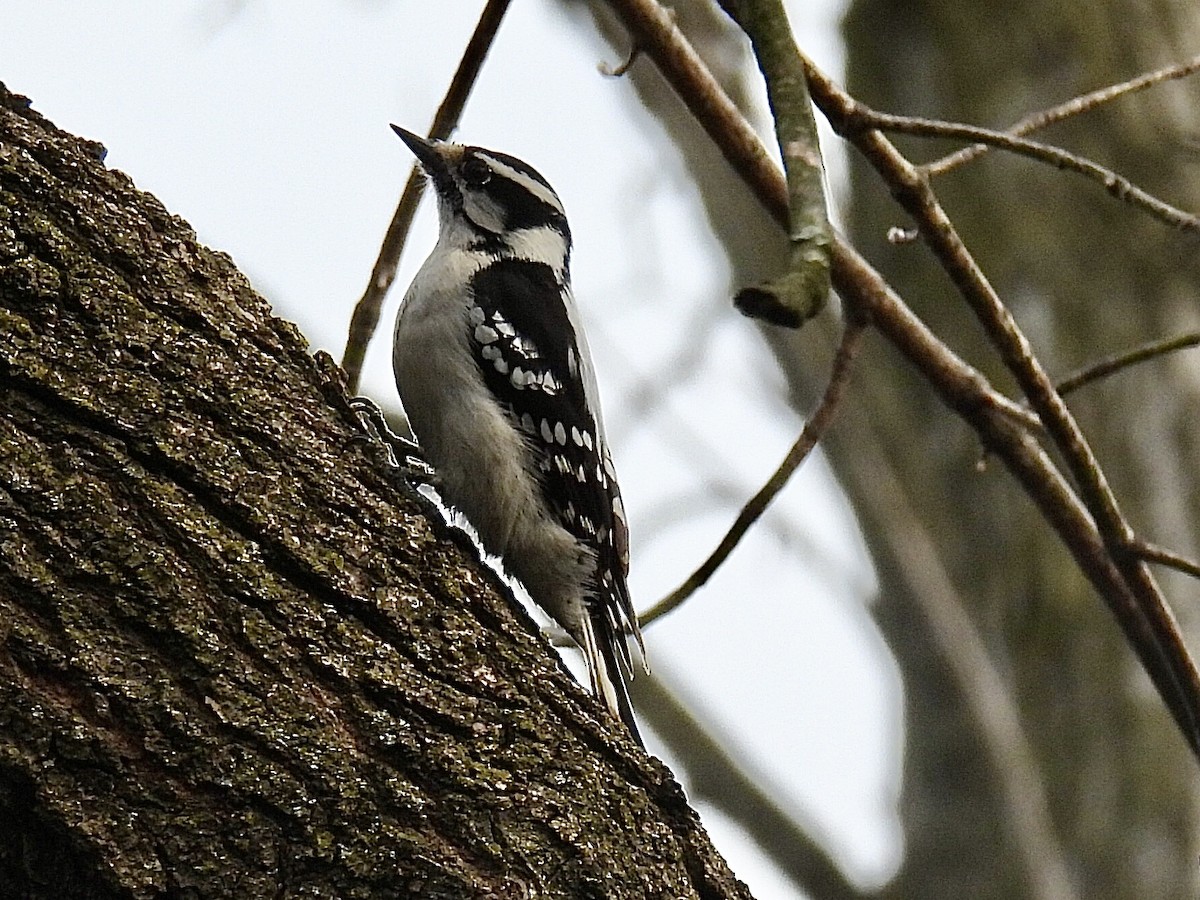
x=608 y=665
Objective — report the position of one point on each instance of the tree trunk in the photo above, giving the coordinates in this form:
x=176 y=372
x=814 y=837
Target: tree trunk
x=237 y=656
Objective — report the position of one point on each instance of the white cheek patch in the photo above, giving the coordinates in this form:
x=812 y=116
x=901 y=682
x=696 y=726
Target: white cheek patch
x=484 y=212
x=542 y=244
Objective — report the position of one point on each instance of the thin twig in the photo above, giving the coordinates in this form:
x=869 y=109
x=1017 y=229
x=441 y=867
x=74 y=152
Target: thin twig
x=620 y=70
x=1075 y=106
x=816 y=426
x=1112 y=364
x=1164 y=557
x=1117 y=185
x=445 y=120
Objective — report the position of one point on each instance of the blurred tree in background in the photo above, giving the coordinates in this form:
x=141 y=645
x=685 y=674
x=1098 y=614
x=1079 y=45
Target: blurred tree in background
x=1086 y=277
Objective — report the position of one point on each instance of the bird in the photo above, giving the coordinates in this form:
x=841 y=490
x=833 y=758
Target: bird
x=494 y=372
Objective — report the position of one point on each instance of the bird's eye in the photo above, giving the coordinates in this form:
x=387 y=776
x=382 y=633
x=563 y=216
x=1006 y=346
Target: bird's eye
x=475 y=172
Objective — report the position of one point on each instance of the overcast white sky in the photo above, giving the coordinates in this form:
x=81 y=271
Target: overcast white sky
x=264 y=124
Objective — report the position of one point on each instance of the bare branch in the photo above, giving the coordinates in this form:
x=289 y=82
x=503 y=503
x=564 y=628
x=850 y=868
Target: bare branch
x=1149 y=621
x=803 y=291
x=1112 y=364
x=962 y=388
x=366 y=312
x=1117 y=185
x=654 y=30
x=1164 y=557
x=1075 y=106
x=816 y=426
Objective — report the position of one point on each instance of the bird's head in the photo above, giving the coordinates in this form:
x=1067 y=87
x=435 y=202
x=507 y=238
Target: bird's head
x=488 y=198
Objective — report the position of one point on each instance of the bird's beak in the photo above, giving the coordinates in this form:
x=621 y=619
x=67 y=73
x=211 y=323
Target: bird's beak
x=427 y=152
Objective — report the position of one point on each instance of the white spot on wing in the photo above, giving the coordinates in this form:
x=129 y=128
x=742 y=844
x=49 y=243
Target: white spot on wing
x=547 y=433
x=586 y=373
x=485 y=334
x=560 y=433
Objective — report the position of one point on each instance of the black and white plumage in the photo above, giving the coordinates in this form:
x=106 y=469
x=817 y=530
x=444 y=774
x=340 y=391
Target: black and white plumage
x=496 y=378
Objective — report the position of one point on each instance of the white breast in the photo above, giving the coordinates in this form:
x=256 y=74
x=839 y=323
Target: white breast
x=482 y=465
x=446 y=402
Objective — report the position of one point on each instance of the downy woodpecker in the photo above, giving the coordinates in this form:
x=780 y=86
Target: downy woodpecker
x=496 y=379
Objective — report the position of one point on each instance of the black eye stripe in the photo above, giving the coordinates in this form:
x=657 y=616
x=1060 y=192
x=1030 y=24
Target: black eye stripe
x=475 y=172
x=497 y=194
x=517 y=165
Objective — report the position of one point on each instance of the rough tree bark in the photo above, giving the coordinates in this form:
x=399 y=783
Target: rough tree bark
x=236 y=657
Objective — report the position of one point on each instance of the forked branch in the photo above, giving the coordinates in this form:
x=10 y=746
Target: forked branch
x=1116 y=184
x=1142 y=610
x=1073 y=107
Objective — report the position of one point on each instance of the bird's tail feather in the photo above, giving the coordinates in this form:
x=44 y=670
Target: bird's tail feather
x=609 y=668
